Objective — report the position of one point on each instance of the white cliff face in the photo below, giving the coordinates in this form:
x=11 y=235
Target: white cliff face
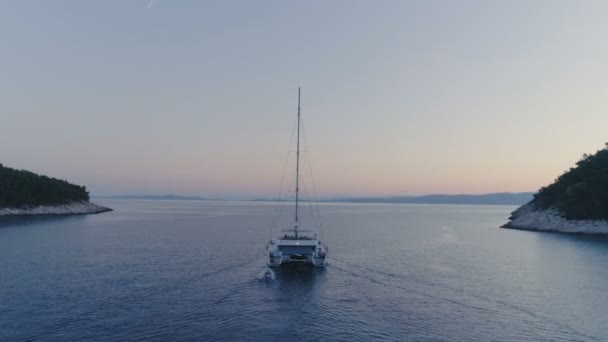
x=531 y=218
x=81 y=207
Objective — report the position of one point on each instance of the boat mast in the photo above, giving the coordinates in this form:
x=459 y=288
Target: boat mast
x=297 y=167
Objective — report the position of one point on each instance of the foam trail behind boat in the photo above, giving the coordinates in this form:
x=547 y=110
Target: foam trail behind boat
x=266 y=273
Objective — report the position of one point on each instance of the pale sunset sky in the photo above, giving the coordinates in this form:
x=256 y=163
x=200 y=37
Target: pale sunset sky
x=399 y=97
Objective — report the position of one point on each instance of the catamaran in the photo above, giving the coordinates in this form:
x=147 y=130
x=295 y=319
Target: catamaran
x=297 y=246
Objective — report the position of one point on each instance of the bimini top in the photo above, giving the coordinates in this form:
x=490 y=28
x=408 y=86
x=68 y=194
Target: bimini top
x=292 y=234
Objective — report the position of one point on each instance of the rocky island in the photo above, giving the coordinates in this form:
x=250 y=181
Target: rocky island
x=577 y=202
x=26 y=193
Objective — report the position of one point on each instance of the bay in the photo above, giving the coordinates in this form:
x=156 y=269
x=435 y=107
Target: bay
x=193 y=271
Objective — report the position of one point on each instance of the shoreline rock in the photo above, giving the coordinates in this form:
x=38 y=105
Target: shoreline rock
x=529 y=217
x=73 y=208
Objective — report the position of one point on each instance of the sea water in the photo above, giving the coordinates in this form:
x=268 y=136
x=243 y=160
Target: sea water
x=196 y=271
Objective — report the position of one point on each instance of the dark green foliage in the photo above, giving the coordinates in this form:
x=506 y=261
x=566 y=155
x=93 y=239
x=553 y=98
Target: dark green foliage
x=581 y=192
x=20 y=188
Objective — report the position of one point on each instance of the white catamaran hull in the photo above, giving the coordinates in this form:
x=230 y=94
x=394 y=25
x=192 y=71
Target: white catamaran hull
x=287 y=260
x=284 y=252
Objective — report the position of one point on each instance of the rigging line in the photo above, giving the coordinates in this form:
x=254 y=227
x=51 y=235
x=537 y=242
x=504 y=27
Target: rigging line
x=289 y=196
x=276 y=217
x=280 y=209
x=304 y=185
x=281 y=205
x=310 y=197
x=304 y=194
x=310 y=207
x=316 y=203
x=314 y=190
x=314 y=212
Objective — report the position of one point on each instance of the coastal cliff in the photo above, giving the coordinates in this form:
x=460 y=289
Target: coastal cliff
x=577 y=202
x=26 y=193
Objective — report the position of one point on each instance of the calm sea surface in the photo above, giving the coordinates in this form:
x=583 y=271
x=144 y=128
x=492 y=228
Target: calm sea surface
x=191 y=271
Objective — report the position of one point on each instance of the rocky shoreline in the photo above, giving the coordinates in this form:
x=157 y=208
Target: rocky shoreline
x=74 y=208
x=529 y=217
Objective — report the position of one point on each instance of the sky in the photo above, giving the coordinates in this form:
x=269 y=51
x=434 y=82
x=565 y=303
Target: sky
x=398 y=97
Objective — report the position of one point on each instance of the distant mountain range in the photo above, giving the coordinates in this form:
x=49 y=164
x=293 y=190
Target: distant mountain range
x=502 y=198
x=157 y=197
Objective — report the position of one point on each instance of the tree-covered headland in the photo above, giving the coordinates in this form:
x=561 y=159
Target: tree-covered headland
x=20 y=188
x=581 y=193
